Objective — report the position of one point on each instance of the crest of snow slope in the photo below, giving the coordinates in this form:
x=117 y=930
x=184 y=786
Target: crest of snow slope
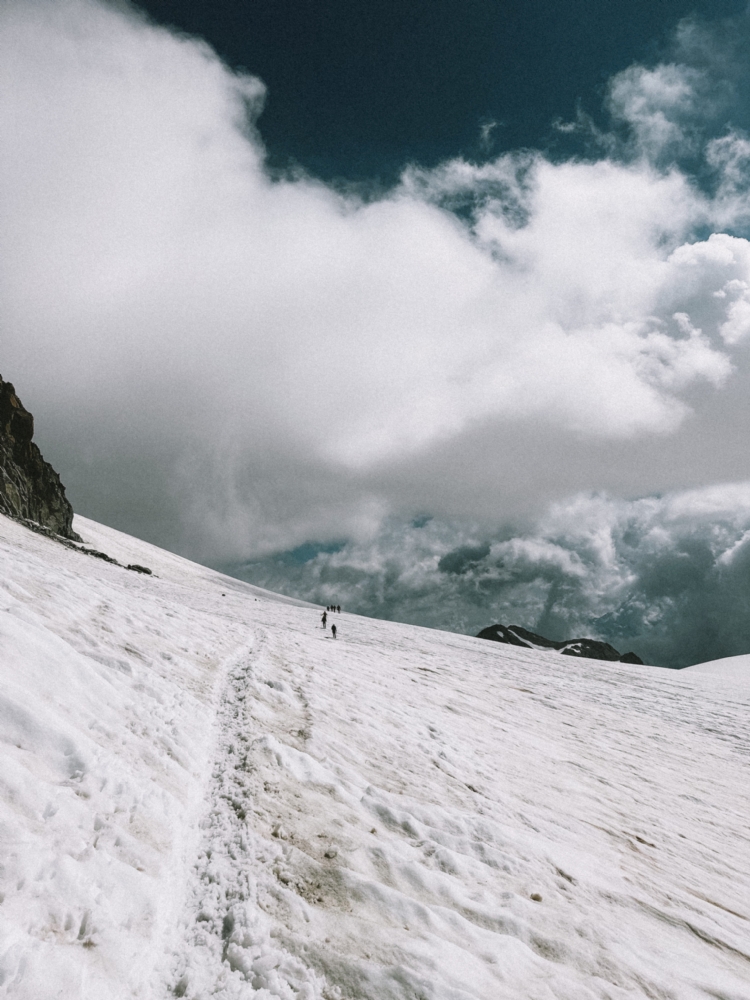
x=203 y=795
x=735 y=669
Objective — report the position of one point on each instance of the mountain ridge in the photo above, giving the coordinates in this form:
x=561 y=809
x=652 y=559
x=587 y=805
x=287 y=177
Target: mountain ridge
x=594 y=649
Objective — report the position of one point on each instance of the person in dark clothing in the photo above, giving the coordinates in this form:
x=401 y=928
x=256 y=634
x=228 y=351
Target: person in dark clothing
x=324 y=618
x=333 y=631
x=338 y=608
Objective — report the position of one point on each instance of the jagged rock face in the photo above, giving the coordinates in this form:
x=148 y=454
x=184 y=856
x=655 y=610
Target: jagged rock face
x=30 y=489
x=515 y=635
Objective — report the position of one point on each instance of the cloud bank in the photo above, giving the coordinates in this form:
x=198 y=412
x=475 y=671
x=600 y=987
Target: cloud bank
x=666 y=576
x=233 y=363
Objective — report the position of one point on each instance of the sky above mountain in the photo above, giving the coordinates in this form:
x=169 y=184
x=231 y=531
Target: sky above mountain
x=285 y=284
x=356 y=91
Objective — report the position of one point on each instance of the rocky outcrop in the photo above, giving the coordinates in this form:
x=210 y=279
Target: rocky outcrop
x=515 y=635
x=30 y=489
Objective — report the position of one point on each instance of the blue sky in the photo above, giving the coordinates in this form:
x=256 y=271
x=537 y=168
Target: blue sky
x=358 y=90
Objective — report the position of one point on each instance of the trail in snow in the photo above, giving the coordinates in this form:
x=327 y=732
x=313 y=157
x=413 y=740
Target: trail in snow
x=228 y=939
x=211 y=799
x=382 y=852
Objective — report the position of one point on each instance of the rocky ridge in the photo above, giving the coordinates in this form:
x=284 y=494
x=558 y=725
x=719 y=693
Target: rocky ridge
x=515 y=635
x=30 y=489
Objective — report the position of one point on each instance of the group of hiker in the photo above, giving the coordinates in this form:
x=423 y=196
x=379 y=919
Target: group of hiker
x=324 y=617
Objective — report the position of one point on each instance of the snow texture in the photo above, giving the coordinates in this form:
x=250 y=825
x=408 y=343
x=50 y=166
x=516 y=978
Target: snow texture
x=203 y=795
x=731 y=668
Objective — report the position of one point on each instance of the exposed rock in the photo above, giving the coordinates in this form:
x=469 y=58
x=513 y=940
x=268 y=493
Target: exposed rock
x=515 y=635
x=30 y=489
x=631 y=658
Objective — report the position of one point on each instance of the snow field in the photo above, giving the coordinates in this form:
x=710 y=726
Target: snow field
x=205 y=796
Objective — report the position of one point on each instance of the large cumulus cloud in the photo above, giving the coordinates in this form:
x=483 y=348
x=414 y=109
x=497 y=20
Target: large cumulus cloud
x=234 y=363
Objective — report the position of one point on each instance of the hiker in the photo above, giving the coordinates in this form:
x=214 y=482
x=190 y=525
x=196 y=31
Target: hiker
x=324 y=618
x=333 y=631
x=338 y=608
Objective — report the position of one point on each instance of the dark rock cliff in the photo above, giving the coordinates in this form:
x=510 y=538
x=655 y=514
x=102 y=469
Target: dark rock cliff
x=515 y=635
x=30 y=489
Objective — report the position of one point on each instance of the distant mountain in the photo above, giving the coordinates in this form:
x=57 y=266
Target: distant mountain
x=30 y=489
x=515 y=635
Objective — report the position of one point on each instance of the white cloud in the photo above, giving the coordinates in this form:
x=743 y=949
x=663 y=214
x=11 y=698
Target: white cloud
x=267 y=344
x=658 y=104
x=729 y=155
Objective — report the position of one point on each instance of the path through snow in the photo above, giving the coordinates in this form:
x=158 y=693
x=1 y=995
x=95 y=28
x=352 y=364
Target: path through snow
x=401 y=813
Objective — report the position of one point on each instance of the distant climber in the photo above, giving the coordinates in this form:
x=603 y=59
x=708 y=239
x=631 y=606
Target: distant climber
x=324 y=618
x=338 y=608
x=333 y=631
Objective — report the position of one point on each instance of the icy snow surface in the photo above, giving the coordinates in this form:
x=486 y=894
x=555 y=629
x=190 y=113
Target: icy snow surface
x=203 y=795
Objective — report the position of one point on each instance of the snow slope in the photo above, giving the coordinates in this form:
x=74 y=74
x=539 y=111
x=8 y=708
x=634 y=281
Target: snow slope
x=730 y=668
x=203 y=795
